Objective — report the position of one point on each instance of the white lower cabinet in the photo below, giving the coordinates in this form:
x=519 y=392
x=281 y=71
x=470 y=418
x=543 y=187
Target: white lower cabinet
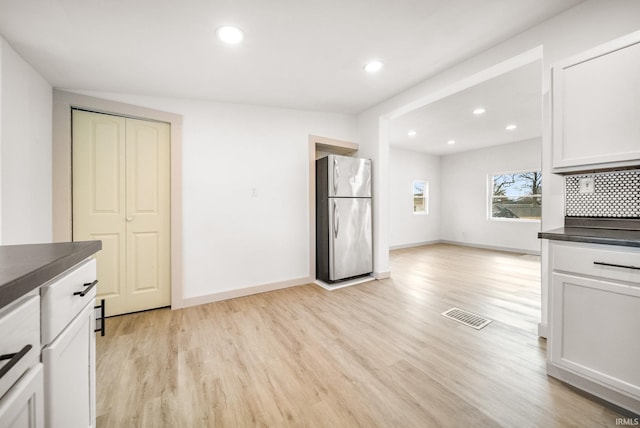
x=594 y=340
x=69 y=344
x=22 y=406
x=47 y=342
x=70 y=374
x=21 y=385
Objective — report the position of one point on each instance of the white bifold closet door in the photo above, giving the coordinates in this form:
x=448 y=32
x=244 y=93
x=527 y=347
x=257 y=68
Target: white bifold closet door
x=121 y=196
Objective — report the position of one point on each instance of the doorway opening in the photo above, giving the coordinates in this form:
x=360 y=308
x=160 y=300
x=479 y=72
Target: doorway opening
x=532 y=58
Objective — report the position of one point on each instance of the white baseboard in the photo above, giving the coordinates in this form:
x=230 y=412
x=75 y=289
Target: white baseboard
x=382 y=275
x=492 y=247
x=415 y=244
x=241 y=292
x=466 y=244
x=343 y=284
x=542 y=330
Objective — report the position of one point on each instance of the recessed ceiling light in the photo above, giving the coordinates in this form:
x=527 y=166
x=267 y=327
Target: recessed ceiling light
x=511 y=127
x=412 y=133
x=451 y=142
x=230 y=34
x=373 y=66
x=479 y=111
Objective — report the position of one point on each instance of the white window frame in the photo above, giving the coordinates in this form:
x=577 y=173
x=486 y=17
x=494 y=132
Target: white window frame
x=490 y=196
x=425 y=197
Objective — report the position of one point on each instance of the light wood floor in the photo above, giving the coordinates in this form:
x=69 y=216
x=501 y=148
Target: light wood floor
x=377 y=354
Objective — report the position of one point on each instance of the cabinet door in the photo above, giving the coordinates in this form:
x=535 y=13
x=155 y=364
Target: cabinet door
x=19 y=330
x=22 y=406
x=596 y=107
x=595 y=330
x=69 y=380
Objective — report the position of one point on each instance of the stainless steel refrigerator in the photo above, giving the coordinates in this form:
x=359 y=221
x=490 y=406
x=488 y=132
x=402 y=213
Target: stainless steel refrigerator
x=343 y=218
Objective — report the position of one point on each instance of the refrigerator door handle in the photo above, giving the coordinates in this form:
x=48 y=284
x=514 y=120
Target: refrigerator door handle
x=336 y=220
x=336 y=176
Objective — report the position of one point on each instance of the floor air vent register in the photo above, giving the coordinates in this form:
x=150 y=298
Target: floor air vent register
x=466 y=318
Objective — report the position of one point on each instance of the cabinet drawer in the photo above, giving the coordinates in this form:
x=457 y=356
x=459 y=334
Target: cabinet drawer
x=19 y=329
x=62 y=300
x=604 y=261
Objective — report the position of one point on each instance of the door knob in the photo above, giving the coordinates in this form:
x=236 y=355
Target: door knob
x=129 y=218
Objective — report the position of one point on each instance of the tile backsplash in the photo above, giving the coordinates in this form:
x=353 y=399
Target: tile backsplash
x=616 y=195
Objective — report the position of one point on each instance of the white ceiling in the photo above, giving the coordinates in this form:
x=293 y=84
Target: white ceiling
x=511 y=98
x=297 y=53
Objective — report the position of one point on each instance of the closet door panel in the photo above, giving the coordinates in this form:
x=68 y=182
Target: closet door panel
x=148 y=213
x=99 y=198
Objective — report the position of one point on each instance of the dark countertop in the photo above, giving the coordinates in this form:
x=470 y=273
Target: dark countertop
x=26 y=267
x=591 y=235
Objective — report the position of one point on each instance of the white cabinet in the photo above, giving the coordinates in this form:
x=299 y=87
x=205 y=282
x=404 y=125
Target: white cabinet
x=21 y=407
x=596 y=107
x=70 y=375
x=21 y=385
x=595 y=320
x=68 y=353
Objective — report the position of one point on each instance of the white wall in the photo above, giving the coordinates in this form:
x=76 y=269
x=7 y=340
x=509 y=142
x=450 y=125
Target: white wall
x=464 y=180
x=458 y=197
x=406 y=228
x=232 y=240
x=25 y=151
x=580 y=28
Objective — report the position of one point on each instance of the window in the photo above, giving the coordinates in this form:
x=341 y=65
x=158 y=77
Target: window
x=420 y=197
x=516 y=196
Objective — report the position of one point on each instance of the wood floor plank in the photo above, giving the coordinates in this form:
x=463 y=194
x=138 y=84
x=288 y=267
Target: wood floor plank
x=378 y=354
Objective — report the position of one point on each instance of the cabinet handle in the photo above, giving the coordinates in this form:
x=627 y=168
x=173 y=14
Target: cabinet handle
x=336 y=220
x=13 y=359
x=618 y=266
x=336 y=176
x=89 y=286
x=101 y=318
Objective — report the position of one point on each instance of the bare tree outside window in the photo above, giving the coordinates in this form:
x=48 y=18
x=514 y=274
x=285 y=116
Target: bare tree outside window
x=517 y=195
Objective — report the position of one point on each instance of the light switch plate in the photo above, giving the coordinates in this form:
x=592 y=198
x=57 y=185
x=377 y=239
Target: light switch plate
x=587 y=186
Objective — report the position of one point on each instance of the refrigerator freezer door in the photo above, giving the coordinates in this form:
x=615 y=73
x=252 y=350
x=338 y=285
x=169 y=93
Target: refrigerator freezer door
x=350 y=250
x=349 y=177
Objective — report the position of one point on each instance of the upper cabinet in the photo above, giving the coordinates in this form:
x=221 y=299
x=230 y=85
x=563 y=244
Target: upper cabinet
x=596 y=108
